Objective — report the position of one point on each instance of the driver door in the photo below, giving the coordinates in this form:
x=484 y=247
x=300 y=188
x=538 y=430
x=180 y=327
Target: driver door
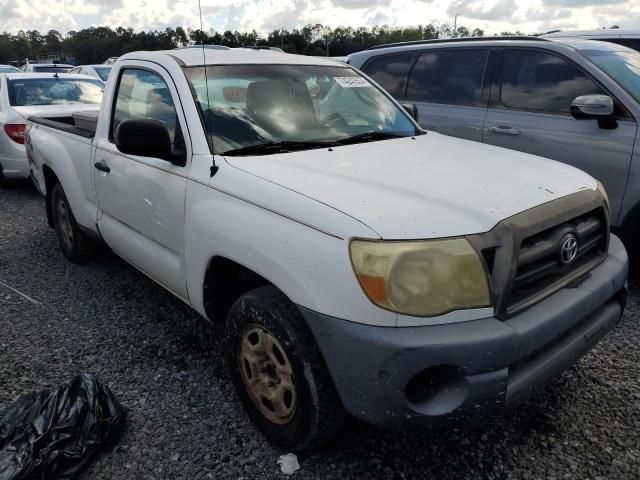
x=141 y=199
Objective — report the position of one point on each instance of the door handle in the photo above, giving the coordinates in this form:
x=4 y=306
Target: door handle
x=504 y=130
x=102 y=167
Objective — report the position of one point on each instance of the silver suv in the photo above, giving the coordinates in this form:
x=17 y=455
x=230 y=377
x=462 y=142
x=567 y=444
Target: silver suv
x=573 y=100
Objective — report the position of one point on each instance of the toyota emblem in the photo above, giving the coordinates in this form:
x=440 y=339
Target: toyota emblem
x=568 y=249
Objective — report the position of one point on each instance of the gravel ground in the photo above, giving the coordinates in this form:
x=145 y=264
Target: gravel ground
x=165 y=365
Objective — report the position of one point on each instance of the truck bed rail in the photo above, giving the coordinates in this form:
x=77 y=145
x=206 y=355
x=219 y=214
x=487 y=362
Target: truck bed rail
x=65 y=124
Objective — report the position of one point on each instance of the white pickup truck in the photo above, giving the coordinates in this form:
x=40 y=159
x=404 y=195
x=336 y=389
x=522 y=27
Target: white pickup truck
x=361 y=265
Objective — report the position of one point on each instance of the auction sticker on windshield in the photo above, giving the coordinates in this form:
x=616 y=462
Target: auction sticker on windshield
x=352 y=82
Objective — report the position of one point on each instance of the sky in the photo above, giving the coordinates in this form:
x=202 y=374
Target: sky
x=493 y=16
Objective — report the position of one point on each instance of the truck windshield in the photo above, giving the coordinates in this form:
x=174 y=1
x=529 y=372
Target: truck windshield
x=264 y=109
x=53 y=91
x=623 y=67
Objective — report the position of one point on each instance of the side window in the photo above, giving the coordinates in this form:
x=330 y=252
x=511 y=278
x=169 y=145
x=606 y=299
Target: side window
x=390 y=71
x=539 y=81
x=144 y=95
x=452 y=77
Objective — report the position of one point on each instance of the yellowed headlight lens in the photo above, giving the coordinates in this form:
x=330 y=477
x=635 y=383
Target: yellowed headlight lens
x=421 y=278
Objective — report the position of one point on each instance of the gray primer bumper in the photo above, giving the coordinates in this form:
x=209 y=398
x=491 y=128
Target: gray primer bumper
x=492 y=364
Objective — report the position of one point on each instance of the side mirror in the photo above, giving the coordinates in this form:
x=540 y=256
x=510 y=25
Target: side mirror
x=146 y=138
x=595 y=107
x=411 y=109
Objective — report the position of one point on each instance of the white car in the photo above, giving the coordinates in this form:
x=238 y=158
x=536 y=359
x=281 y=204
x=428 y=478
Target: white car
x=8 y=69
x=620 y=36
x=46 y=68
x=359 y=263
x=25 y=94
x=99 y=71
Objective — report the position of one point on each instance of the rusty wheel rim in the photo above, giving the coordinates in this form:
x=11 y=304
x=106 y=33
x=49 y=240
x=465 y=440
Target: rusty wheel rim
x=267 y=375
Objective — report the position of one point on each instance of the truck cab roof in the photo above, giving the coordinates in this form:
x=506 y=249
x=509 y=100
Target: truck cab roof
x=191 y=57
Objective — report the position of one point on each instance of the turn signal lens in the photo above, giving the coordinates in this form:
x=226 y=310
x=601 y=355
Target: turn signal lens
x=16 y=132
x=422 y=278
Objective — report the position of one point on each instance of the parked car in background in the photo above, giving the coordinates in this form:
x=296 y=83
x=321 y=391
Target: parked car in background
x=25 y=94
x=359 y=263
x=572 y=100
x=100 y=71
x=46 y=68
x=206 y=47
x=110 y=61
x=259 y=47
x=8 y=69
x=626 y=37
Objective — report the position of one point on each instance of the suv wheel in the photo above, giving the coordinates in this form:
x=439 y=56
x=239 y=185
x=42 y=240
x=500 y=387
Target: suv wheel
x=279 y=373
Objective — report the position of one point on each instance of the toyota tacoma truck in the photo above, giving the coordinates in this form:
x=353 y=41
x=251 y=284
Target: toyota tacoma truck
x=360 y=265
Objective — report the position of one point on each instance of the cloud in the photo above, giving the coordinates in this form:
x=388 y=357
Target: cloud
x=581 y=3
x=357 y=4
x=501 y=9
x=265 y=15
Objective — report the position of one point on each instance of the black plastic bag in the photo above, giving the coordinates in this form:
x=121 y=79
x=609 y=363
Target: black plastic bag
x=50 y=435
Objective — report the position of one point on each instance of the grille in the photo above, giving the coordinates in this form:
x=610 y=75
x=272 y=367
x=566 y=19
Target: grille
x=540 y=266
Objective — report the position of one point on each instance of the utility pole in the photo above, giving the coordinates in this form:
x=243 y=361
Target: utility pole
x=455 y=25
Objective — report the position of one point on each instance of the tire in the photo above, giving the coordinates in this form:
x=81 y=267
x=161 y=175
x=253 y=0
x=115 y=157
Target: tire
x=313 y=413
x=77 y=246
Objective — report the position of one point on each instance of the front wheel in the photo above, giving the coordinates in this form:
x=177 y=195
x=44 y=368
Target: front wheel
x=279 y=373
x=77 y=246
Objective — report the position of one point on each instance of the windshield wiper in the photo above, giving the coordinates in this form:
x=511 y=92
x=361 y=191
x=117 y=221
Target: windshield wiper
x=369 y=137
x=277 y=147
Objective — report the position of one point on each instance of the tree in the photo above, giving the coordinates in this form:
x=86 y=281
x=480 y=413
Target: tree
x=95 y=44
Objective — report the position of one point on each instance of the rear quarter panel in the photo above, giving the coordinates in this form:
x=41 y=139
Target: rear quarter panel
x=69 y=157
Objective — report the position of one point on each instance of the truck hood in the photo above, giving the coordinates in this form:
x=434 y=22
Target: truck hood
x=428 y=187
x=54 y=110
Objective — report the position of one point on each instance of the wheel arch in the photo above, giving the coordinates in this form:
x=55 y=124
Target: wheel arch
x=225 y=280
x=50 y=179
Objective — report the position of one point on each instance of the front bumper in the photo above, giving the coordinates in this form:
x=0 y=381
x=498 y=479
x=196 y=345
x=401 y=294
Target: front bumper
x=466 y=374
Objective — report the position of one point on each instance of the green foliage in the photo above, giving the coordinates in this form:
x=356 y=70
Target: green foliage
x=96 y=44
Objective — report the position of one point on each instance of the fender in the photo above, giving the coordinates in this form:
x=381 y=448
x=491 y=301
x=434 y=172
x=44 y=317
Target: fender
x=312 y=268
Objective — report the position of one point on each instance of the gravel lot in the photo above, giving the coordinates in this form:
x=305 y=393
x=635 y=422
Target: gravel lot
x=165 y=365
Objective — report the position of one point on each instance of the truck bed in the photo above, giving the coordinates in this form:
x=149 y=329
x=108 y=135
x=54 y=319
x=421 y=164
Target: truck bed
x=83 y=124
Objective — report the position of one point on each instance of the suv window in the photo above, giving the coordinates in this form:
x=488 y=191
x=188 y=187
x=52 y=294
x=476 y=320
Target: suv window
x=144 y=95
x=539 y=81
x=452 y=77
x=390 y=71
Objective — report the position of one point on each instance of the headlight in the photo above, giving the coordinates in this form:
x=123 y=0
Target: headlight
x=600 y=188
x=421 y=278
